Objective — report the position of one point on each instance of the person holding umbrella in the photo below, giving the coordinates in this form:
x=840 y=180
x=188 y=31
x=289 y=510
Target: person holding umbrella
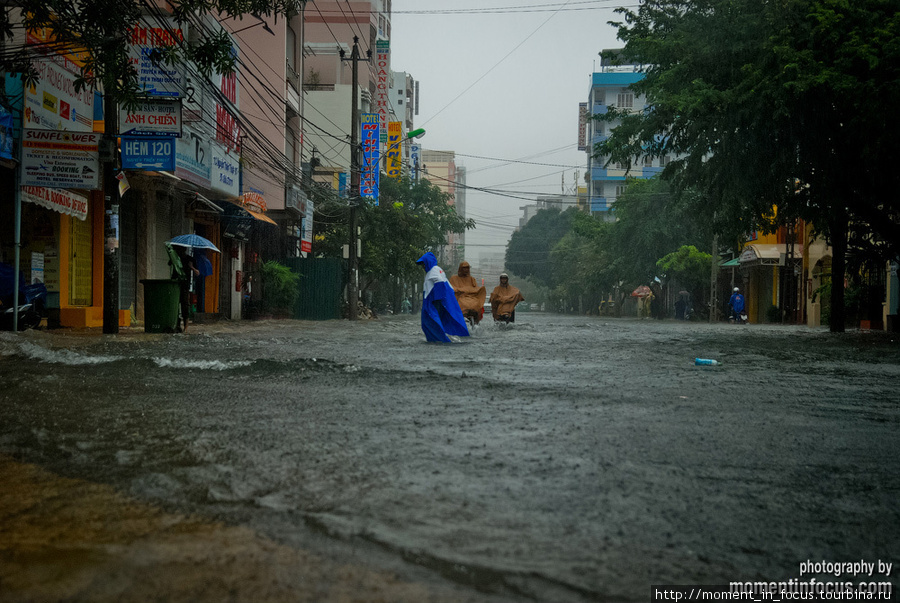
x=182 y=271
x=184 y=268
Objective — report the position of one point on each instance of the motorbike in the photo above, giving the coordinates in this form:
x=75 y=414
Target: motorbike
x=31 y=307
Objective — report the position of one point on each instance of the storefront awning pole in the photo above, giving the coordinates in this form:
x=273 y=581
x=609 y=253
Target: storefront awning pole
x=17 y=240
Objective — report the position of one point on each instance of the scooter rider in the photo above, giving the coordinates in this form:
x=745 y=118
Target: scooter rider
x=737 y=304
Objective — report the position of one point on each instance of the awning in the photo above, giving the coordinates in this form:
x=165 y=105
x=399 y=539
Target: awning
x=732 y=263
x=259 y=216
x=200 y=200
x=758 y=254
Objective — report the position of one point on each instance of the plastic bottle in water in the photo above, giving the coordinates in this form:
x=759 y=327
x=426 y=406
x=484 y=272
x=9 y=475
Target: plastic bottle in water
x=705 y=361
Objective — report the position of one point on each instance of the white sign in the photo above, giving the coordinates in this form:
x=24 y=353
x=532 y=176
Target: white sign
x=52 y=102
x=156 y=78
x=306 y=239
x=57 y=199
x=192 y=159
x=61 y=159
x=156 y=117
x=226 y=172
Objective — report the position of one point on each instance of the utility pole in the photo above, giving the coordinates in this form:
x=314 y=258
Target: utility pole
x=353 y=280
x=111 y=219
x=714 y=276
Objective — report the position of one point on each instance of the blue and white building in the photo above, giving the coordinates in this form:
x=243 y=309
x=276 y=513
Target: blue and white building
x=610 y=88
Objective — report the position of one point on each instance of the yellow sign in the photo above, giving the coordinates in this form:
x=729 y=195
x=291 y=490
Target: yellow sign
x=395 y=130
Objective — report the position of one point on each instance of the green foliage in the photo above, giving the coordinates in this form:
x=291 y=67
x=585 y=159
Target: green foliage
x=100 y=27
x=771 y=104
x=689 y=266
x=410 y=220
x=280 y=287
x=528 y=252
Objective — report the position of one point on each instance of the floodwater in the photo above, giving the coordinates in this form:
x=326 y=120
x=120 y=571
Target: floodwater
x=561 y=459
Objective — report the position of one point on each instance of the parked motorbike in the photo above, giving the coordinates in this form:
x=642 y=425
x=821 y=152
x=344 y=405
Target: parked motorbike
x=32 y=304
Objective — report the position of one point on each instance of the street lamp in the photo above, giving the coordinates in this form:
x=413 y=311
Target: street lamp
x=417 y=133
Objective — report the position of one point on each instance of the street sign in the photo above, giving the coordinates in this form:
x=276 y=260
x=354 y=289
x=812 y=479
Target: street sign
x=148 y=154
x=60 y=159
x=152 y=117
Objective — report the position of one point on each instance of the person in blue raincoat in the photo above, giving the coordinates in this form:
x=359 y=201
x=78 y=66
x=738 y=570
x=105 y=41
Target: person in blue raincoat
x=441 y=315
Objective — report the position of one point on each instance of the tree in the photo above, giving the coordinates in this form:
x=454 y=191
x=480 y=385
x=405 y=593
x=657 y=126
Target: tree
x=409 y=220
x=772 y=104
x=689 y=267
x=100 y=30
x=528 y=252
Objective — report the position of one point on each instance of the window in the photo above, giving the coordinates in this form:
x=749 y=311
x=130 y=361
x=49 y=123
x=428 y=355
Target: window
x=620 y=190
x=665 y=160
x=625 y=100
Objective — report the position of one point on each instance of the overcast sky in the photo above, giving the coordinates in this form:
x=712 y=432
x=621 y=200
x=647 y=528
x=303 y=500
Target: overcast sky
x=504 y=86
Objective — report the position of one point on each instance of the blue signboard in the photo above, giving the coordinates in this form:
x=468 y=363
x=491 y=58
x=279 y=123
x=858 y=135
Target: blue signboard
x=148 y=154
x=369 y=138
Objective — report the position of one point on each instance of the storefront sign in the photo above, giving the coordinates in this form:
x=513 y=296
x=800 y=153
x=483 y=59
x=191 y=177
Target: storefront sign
x=52 y=102
x=368 y=179
x=153 y=117
x=148 y=154
x=393 y=149
x=228 y=129
x=154 y=77
x=57 y=199
x=226 y=172
x=60 y=159
x=192 y=159
x=306 y=238
x=6 y=134
x=382 y=83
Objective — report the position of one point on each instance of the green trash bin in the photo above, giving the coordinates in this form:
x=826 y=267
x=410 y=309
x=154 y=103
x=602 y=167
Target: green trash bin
x=161 y=298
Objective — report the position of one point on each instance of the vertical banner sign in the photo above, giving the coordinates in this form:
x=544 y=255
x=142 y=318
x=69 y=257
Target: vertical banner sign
x=307 y=236
x=393 y=149
x=228 y=129
x=383 y=86
x=582 y=126
x=414 y=151
x=342 y=185
x=369 y=138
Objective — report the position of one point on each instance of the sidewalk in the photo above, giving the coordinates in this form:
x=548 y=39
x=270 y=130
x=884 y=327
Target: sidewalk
x=71 y=540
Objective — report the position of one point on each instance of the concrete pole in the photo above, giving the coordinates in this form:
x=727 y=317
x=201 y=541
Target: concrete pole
x=353 y=283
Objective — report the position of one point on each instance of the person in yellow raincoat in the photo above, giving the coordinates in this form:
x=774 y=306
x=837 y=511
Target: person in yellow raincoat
x=504 y=298
x=468 y=293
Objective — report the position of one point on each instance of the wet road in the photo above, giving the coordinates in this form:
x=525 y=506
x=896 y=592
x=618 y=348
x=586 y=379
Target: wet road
x=560 y=459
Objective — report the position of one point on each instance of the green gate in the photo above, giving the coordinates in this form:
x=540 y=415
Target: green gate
x=321 y=284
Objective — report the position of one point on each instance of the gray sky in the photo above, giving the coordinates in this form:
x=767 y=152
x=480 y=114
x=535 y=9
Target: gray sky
x=503 y=86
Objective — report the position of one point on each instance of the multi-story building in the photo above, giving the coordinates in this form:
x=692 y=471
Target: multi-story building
x=610 y=88
x=330 y=28
x=440 y=168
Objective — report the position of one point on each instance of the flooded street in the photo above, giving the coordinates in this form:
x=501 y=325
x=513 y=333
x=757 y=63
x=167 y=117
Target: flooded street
x=560 y=459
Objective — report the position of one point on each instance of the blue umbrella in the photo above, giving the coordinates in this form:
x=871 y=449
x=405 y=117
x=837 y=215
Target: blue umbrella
x=194 y=241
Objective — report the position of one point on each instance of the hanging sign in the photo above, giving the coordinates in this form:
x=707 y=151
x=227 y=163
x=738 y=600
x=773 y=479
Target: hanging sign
x=153 y=154
x=393 y=149
x=153 y=117
x=61 y=159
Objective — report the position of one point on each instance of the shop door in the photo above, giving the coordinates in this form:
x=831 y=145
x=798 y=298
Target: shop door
x=81 y=266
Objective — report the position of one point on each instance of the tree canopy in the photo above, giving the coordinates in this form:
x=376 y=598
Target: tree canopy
x=771 y=104
x=99 y=31
x=409 y=220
